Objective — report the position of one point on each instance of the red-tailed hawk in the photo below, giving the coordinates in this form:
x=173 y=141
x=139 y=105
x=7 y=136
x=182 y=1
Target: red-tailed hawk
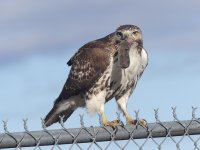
x=101 y=70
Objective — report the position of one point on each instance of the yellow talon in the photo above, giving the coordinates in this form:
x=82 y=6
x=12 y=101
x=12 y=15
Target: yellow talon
x=141 y=122
x=130 y=121
x=112 y=124
x=105 y=121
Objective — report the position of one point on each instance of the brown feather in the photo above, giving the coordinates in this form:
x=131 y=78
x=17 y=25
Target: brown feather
x=88 y=64
x=54 y=115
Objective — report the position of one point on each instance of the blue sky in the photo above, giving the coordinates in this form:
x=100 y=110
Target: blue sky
x=37 y=38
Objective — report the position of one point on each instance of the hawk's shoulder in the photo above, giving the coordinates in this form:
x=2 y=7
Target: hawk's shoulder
x=95 y=47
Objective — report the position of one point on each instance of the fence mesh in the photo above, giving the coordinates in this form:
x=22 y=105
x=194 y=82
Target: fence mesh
x=154 y=136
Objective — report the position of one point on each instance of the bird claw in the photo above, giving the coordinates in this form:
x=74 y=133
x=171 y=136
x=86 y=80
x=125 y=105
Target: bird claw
x=112 y=124
x=141 y=122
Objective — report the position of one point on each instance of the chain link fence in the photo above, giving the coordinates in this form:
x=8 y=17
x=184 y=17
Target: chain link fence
x=155 y=136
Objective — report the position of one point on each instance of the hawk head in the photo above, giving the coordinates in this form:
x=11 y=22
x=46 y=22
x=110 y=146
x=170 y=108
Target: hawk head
x=125 y=36
x=129 y=33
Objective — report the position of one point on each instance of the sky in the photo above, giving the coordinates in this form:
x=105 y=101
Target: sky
x=37 y=38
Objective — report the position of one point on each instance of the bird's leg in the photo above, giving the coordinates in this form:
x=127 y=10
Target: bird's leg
x=105 y=121
x=122 y=103
x=129 y=119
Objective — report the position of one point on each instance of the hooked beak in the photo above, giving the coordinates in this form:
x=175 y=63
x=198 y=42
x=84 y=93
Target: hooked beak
x=124 y=36
x=127 y=38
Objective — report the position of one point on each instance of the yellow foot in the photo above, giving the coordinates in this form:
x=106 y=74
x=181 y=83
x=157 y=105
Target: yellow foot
x=141 y=122
x=112 y=124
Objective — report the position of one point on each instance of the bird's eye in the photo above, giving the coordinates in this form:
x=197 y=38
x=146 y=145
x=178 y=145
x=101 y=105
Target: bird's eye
x=119 y=34
x=135 y=32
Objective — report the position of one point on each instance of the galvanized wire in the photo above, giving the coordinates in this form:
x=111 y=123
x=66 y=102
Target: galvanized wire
x=95 y=135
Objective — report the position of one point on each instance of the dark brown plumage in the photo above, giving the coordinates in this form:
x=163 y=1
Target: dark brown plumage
x=87 y=66
x=100 y=70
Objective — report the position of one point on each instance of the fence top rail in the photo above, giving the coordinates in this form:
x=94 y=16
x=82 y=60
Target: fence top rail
x=101 y=133
x=98 y=134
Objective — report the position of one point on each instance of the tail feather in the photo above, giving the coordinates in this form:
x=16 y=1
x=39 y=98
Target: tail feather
x=53 y=116
x=59 y=109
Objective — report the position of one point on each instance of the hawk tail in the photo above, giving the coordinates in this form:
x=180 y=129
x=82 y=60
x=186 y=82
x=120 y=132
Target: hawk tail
x=59 y=109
